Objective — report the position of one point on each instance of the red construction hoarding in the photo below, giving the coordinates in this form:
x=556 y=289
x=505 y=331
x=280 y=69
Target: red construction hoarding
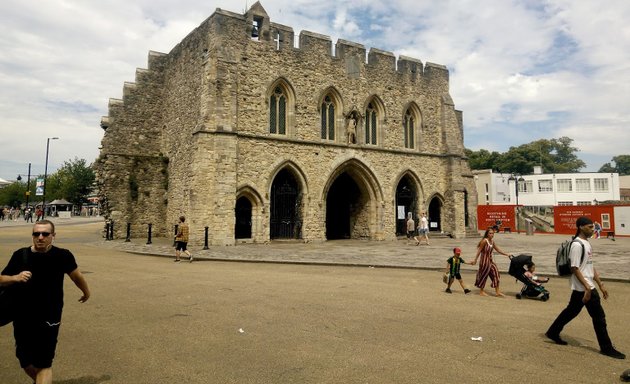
x=564 y=217
x=491 y=215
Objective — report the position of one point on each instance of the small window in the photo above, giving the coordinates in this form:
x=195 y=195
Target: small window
x=565 y=203
x=370 y=124
x=277 y=112
x=545 y=185
x=328 y=119
x=525 y=186
x=601 y=185
x=584 y=203
x=582 y=185
x=408 y=129
x=564 y=185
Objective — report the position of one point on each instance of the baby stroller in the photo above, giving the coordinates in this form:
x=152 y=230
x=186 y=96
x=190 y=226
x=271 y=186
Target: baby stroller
x=530 y=290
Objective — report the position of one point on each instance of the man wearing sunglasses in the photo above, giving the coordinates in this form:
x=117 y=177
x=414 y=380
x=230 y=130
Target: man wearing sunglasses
x=38 y=272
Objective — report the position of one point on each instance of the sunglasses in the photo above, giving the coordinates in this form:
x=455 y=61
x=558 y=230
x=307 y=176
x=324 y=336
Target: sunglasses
x=38 y=234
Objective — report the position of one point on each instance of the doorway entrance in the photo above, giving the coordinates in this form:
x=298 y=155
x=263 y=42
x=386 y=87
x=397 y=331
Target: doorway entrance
x=285 y=207
x=435 y=215
x=406 y=199
x=243 y=212
x=342 y=202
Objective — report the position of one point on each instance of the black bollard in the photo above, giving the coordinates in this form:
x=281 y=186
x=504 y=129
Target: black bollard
x=205 y=240
x=107 y=230
x=175 y=241
x=149 y=239
x=128 y=239
x=111 y=230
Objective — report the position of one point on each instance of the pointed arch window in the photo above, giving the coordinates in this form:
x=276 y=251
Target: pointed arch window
x=328 y=119
x=409 y=123
x=278 y=112
x=371 y=118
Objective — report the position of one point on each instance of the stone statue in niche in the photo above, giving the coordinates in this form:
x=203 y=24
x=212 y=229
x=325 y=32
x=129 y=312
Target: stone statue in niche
x=351 y=129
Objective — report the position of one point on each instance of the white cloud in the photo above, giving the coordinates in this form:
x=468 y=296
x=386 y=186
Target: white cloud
x=520 y=70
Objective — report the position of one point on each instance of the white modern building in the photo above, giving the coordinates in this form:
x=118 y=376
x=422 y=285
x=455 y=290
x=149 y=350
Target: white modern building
x=541 y=189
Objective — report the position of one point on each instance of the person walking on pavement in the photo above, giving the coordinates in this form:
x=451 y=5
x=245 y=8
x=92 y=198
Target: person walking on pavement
x=584 y=293
x=487 y=267
x=181 y=240
x=423 y=229
x=37 y=274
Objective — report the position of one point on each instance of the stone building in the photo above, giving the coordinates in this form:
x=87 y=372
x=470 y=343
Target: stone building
x=243 y=133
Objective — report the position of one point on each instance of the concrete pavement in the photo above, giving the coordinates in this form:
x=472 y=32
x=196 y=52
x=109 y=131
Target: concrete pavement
x=612 y=257
x=150 y=320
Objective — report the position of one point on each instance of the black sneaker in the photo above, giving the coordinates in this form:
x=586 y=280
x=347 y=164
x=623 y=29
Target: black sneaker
x=466 y=291
x=612 y=352
x=448 y=290
x=556 y=339
x=177 y=260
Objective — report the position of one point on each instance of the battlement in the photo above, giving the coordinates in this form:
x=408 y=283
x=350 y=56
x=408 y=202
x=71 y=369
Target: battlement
x=255 y=26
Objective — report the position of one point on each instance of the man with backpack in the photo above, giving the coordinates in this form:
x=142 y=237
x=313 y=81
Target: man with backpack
x=584 y=293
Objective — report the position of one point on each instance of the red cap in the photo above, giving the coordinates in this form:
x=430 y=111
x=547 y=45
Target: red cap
x=457 y=250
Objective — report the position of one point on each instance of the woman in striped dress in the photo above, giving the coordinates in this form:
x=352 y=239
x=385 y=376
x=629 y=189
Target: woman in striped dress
x=487 y=267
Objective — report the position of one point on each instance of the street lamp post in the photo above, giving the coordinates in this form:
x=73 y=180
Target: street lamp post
x=516 y=179
x=28 y=184
x=46 y=174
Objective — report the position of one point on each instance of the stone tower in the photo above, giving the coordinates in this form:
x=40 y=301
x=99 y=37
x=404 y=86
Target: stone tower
x=243 y=133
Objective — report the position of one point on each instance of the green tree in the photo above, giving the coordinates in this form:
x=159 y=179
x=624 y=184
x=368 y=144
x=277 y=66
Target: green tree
x=555 y=156
x=73 y=182
x=13 y=195
x=622 y=165
x=483 y=159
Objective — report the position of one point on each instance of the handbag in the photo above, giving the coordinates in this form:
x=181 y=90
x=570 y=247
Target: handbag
x=446 y=277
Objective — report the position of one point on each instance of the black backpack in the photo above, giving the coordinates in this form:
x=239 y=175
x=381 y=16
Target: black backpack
x=563 y=260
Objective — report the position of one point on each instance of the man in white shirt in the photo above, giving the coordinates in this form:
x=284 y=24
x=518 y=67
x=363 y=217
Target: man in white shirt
x=584 y=293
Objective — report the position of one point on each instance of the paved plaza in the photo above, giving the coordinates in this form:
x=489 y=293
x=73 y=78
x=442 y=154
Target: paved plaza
x=370 y=312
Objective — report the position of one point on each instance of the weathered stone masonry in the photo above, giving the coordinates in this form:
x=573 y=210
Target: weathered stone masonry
x=193 y=136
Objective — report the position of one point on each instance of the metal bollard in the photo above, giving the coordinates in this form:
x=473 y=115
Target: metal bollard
x=205 y=241
x=111 y=230
x=149 y=238
x=107 y=230
x=128 y=239
x=175 y=241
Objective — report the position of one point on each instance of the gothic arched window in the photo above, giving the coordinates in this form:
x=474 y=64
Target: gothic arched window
x=328 y=119
x=278 y=112
x=371 y=118
x=409 y=123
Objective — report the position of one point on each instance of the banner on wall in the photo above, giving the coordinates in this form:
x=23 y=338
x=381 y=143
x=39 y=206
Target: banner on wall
x=501 y=215
x=565 y=217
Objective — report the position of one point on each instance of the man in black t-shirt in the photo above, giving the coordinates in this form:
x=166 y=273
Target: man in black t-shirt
x=38 y=272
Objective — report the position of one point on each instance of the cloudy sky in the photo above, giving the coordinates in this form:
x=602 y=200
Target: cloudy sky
x=520 y=70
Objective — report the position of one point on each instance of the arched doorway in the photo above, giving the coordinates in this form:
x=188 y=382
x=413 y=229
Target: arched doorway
x=435 y=215
x=243 y=212
x=406 y=196
x=343 y=202
x=285 y=207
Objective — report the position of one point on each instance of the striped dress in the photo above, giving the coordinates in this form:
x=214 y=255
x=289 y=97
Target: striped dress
x=487 y=267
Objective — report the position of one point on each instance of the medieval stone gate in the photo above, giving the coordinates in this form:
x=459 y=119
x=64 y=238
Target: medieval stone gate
x=257 y=140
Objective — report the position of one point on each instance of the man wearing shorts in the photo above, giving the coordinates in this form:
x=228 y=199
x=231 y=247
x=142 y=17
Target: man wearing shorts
x=38 y=273
x=181 y=240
